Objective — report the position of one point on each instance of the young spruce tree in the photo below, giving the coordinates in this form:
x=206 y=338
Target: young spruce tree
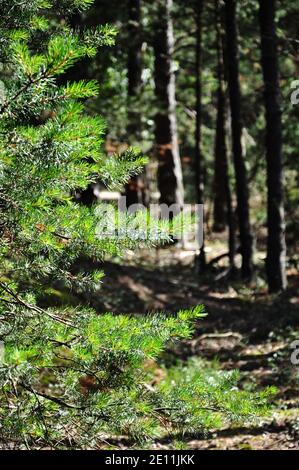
x=71 y=377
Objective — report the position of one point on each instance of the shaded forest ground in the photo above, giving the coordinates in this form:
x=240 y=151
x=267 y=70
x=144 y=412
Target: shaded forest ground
x=245 y=329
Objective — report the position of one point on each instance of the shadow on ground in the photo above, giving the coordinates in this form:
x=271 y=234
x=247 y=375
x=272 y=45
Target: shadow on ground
x=245 y=329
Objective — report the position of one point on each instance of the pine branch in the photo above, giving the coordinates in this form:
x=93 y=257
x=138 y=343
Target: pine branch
x=56 y=400
x=33 y=307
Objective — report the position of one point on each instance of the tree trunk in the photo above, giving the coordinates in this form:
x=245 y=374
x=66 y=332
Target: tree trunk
x=223 y=210
x=220 y=153
x=134 y=188
x=170 y=179
x=134 y=49
x=236 y=125
x=199 y=176
x=276 y=247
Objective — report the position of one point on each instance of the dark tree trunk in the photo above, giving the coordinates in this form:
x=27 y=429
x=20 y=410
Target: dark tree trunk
x=170 y=180
x=134 y=49
x=134 y=189
x=236 y=124
x=199 y=167
x=223 y=210
x=276 y=247
x=220 y=154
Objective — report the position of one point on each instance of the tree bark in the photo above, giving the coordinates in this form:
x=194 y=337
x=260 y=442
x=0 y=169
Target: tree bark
x=236 y=125
x=134 y=49
x=276 y=246
x=223 y=210
x=220 y=153
x=170 y=179
x=134 y=188
x=199 y=166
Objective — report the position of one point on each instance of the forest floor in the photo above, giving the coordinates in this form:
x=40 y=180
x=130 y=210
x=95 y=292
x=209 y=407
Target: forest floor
x=246 y=329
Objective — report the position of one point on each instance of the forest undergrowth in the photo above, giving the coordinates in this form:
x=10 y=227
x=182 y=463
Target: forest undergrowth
x=246 y=329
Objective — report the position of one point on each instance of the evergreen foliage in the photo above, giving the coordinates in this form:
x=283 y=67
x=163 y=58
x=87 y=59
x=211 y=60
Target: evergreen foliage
x=72 y=377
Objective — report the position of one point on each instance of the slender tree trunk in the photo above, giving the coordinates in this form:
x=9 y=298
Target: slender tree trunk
x=170 y=179
x=223 y=210
x=134 y=188
x=199 y=167
x=220 y=153
x=236 y=124
x=276 y=246
x=134 y=51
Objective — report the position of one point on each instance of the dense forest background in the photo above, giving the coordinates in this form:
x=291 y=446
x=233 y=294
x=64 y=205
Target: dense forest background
x=204 y=62
x=198 y=103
